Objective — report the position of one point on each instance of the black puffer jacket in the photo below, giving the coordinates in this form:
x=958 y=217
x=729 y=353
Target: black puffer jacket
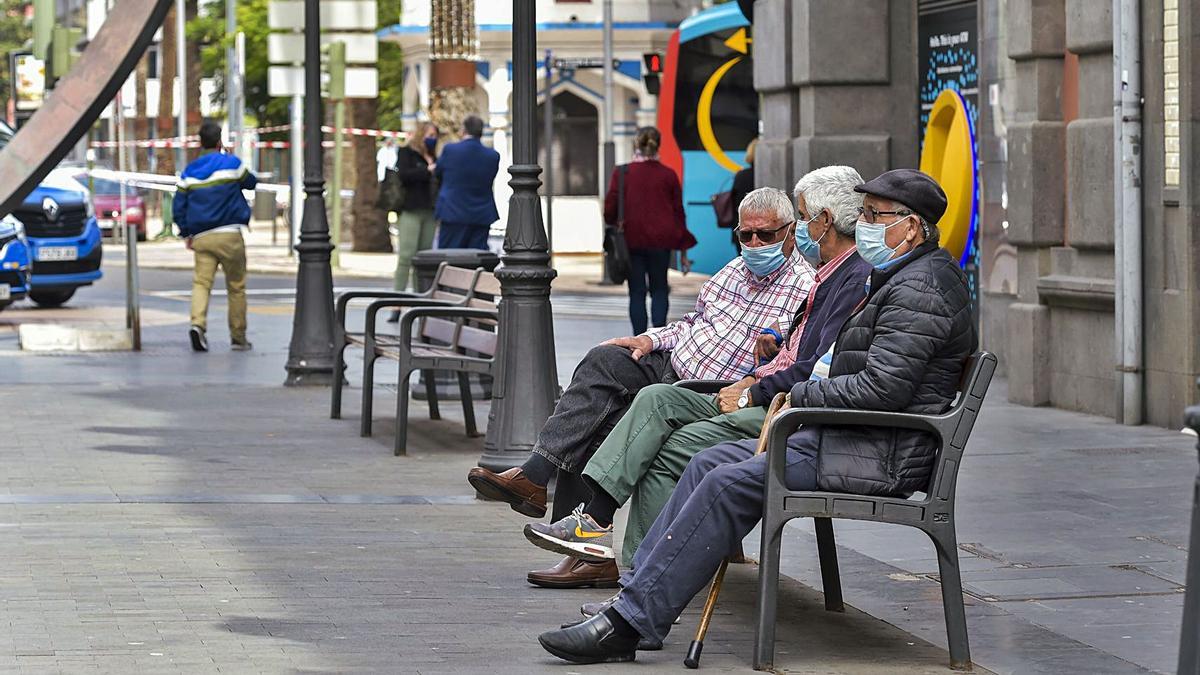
x=904 y=351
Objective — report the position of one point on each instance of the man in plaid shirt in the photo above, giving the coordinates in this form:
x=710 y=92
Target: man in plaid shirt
x=760 y=289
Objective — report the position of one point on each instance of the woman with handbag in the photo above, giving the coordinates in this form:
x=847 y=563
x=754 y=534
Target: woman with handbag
x=645 y=203
x=415 y=163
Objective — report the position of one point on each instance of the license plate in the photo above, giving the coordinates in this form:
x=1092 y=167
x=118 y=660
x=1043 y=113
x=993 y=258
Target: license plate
x=57 y=253
x=106 y=224
x=5 y=292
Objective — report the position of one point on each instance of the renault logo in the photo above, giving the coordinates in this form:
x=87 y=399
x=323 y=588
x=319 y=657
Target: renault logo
x=50 y=208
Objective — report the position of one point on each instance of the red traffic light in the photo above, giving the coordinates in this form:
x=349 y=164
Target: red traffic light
x=653 y=61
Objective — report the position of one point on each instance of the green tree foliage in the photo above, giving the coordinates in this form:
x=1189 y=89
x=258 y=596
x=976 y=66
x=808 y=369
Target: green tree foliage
x=209 y=30
x=15 y=31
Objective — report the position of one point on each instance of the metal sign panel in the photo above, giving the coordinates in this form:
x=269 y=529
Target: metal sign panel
x=28 y=81
x=289 y=81
x=288 y=48
x=335 y=15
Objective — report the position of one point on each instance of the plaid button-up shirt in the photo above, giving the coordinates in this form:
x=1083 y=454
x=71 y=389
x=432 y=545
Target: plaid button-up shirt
x=716 y=340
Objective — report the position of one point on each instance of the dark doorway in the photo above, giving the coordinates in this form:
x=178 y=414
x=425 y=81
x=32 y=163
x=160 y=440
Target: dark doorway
x=576 y=139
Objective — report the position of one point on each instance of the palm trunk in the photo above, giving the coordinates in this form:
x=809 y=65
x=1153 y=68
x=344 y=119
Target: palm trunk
x=165 y=157
x=368 y=226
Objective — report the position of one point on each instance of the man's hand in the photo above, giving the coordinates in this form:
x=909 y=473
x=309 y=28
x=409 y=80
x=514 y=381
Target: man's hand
x=638 y=346
x=765 y=348
x=727 y=398
x=188 y=243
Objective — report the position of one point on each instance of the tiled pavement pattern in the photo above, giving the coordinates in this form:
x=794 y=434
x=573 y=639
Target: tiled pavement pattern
x=167 y=511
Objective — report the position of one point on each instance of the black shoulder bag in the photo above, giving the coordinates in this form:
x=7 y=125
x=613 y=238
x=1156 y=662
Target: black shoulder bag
x=616 y=251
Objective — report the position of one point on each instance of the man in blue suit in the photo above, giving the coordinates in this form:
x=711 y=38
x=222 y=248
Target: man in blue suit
x=465 y=205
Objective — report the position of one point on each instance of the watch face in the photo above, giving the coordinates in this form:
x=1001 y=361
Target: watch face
x=743 y=400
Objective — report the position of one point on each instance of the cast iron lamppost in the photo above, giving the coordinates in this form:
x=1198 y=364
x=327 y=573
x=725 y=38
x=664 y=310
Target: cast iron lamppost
x=1189 y=641
x=527 y=379
x=310 y=355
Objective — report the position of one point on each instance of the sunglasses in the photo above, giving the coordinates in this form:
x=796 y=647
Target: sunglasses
x=765 y=236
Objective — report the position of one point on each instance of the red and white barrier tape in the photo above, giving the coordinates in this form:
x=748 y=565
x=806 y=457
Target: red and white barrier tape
x=194 y=141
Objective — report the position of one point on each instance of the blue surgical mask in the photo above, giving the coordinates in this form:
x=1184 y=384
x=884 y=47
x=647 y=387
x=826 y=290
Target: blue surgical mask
x=808 y=248
x=764 y=259
x=431 y=144
x=869 y=239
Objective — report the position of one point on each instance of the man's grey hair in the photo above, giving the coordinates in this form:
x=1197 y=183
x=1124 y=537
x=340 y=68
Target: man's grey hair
x=832 y=187
x=768 y=201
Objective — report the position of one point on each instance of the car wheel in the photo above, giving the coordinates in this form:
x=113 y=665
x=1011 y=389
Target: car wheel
x=52 y=298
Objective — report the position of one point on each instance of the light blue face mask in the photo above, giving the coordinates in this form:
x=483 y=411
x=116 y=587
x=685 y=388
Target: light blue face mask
x=808 y=248
x=869 y=239
x=764 y=259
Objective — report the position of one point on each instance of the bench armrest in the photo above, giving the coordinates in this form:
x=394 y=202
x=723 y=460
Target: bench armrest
x=344 y=299
x=704 y=386
x=408 y=318
x=374 y=307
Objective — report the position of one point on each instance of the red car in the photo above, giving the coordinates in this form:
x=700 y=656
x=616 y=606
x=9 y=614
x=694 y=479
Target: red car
x=106 y=198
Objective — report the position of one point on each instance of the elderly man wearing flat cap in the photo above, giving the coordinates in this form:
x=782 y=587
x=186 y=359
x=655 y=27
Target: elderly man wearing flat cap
x=902 y=350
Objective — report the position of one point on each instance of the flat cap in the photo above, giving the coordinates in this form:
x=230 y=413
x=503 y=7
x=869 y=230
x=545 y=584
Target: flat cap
x=912 y=188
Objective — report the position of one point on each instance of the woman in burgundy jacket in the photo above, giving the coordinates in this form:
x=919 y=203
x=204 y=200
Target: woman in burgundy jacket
x=654 y=226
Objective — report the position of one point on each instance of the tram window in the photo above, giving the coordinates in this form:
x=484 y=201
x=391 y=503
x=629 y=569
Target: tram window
x=735 y=102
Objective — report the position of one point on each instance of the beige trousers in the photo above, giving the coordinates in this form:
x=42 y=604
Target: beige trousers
x=228 y=251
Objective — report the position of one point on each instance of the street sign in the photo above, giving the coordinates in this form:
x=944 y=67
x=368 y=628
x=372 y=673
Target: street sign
x=361 y=82
x=577 y=63
x=28 y=81
x=288 y=48
x=335 y=15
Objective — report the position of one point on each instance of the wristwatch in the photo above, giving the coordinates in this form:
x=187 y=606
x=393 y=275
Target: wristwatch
x=744 y=400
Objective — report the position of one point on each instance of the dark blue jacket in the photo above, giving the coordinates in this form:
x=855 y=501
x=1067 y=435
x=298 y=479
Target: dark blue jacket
x=209 y=194
x=836 y=297
x=466 y=170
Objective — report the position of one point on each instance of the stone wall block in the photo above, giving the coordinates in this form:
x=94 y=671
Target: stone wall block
x=1036 y=28
x=772 y=35
x=779 y=119
x=1028 y=342
x=1035 y=183
x=1039 y=95
x=1089 y=26
x=1096 y=85
x=1089 y=183
x=859 y=53
x=773 y=163
x=868 y=153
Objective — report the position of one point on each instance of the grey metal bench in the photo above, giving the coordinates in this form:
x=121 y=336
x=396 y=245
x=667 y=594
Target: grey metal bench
x=451 y=287
x=933 y=515
x=459 y=339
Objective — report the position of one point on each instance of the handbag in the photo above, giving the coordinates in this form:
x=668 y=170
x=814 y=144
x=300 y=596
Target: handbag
x=391 y=191
x=616 y=250
x=722 y=204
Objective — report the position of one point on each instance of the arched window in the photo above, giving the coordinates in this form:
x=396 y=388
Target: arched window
x=575 y=151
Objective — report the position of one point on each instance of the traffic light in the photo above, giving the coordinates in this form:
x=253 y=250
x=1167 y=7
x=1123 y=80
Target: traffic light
x=62 y=51
x=653 y=67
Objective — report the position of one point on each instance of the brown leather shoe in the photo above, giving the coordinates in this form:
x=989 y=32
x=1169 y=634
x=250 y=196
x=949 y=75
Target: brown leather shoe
x=576 y=573
x=511 y=487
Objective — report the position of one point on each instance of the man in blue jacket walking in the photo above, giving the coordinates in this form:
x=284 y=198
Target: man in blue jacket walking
x=465 y=204
x=211 y=213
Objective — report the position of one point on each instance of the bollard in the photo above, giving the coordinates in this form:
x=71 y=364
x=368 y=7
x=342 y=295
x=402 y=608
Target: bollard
x=1189 y=639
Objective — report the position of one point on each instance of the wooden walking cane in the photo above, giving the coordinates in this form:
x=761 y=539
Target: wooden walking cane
x=692 y=660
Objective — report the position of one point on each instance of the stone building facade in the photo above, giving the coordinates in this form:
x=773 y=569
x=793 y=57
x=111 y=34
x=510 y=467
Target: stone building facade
x=1045 y=142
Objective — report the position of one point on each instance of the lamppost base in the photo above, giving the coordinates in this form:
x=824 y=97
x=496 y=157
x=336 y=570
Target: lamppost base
x=498 y=460
x=308 y=376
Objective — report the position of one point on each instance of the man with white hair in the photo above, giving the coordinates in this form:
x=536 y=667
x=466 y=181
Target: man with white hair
x=646 y=452
x=759 y=289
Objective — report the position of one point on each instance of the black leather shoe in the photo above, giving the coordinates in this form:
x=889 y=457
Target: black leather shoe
x=394 y=317
x=643 y=645
x=592 y=641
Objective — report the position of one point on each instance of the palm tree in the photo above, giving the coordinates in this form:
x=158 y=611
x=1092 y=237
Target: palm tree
x=453 y=47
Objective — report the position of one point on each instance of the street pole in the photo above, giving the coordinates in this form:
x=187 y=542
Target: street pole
x=295 y=203
x=181 y=75
x=310 y=354
x=548 y=114
x=337 y=94
x=133 y=320
x=232 y=84
x=527 y=380
x=1189 y=641
x=610 y=149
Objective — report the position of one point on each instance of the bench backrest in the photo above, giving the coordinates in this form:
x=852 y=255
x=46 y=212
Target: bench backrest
x=453 y=285
x=479 y=336
x=959 y=421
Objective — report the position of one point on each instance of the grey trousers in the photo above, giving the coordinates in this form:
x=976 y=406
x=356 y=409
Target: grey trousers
x=603 y=386
x=717 y=502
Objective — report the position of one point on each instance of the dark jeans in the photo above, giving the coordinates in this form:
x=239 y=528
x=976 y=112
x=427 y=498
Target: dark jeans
x=648 y=264
x=458 y=235
x=603 y=386
x=718 y=501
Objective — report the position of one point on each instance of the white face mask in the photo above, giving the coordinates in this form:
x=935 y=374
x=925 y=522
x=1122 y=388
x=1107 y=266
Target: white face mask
x=869 y=238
